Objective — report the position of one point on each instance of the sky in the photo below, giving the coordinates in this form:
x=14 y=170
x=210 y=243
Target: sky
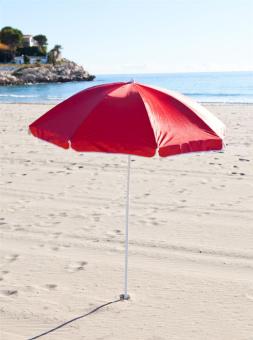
x=141 y=36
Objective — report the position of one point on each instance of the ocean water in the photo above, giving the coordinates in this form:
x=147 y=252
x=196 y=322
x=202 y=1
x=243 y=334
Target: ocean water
x=231 y=87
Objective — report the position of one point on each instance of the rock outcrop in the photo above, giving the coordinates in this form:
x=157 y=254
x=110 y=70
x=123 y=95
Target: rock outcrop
x=63 y=72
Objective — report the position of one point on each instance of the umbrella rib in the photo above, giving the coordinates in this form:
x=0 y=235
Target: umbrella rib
x=151 y=121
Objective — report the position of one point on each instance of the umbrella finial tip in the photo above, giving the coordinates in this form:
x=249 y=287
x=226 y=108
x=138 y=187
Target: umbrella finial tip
x=131 y=81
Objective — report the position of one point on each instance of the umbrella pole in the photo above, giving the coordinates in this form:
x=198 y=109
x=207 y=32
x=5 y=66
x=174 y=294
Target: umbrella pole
x=125 y=296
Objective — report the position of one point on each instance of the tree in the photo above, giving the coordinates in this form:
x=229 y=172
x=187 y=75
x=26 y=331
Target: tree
x=26 y=59
x=41 y=40
x=5 y=56
x=54 y=54
x=57 y=49
x=11 y=37
x=33 y=51
x=51 y=57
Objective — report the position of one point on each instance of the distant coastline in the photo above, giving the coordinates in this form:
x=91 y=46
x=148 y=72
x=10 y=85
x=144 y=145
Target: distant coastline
x=220 y=87
x=25 y=59
x=65 y=71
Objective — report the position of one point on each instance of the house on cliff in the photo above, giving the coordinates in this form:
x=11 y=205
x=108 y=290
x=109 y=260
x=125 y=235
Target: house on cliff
x=30 y=51
x=32 y=59
x=28 y=41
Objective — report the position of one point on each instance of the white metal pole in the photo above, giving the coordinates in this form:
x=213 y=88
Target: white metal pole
x=125 y=295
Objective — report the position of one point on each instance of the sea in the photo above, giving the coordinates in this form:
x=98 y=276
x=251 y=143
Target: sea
x=225 y=87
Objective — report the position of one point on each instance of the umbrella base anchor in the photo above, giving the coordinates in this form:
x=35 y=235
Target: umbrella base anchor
x=124 y=297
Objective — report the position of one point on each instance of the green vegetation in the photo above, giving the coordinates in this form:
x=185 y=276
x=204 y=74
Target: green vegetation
x=26 y=59
x=41 y=40
x=11 y=37
x=33 y=51
x=54 y=54
x=20 y=45
x=5 y=56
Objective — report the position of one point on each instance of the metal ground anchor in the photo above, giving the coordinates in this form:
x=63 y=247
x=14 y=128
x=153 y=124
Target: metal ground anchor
x=124 y=297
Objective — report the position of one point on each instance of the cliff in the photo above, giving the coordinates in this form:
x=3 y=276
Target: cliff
x=64 y=72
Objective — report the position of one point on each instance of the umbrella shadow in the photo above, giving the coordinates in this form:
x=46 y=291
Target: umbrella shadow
x=75 y=319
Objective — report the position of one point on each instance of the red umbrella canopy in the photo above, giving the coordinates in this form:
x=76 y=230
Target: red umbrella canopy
x=130 y=118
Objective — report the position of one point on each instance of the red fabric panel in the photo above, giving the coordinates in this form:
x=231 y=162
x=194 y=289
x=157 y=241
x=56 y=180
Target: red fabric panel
x=177 y=128
x=118 y=124
x=48 y=136
x=59 y=124
x=195 y=146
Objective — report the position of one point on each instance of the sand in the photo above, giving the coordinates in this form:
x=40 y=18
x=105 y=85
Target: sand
x=62 y=238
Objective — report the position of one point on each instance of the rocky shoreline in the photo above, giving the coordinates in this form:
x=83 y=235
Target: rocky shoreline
x=63 y=72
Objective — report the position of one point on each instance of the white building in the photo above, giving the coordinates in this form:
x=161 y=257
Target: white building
x=19 y=60
x=28 y=41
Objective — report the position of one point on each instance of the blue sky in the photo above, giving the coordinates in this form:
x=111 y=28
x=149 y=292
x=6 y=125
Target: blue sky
x=141 y=36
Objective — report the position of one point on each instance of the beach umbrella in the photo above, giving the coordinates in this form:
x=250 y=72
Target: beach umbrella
x=134 y=119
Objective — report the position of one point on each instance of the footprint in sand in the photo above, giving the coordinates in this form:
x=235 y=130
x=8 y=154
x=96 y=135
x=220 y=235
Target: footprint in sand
x=110 y=234
x=11 y=258
x=8 y=292
x=244 y=160
x=154 y=223
x=249 y=297
x=51 y=286
x=57 y=234
x=75 y=267
x=19 y=229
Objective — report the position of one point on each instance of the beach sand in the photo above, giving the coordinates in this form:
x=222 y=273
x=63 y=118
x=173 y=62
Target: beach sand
x=62 y=238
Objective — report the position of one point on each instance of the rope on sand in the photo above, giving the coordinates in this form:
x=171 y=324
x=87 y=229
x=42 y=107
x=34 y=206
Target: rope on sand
x=74 y=319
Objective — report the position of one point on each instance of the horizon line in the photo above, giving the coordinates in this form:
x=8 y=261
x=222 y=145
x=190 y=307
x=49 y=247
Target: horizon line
x=170 y=72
